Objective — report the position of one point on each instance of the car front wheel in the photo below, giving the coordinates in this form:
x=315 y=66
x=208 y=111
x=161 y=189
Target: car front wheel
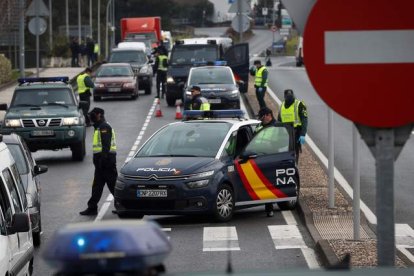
x=224 y=203
x=78 y=151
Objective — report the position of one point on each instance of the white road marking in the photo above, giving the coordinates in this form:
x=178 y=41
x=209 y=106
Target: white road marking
x=222 y=238
x=289 y=218
x=110 y=198
x=369 y=47
x=286 y=236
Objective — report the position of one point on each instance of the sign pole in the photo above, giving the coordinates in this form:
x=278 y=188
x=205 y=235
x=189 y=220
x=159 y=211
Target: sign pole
x=384 y=147
x=356 y=182
x=37 y=38
x=21 y=39
x=99 y=27
x=331 y=157
x=67 y=19
x=239 y=14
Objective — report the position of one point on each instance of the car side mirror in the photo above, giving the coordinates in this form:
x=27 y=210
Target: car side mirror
x=39 y=169
x=3 y=106
x=20 y=223
x=245 y=156
x=240 y=82
x=151 y=61
x=83 y=105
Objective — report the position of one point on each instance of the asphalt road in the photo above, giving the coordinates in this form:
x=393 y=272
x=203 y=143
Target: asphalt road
x=250 y=238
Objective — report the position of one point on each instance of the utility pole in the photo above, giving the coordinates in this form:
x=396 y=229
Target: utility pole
x=239 y=14
x=50 y=26
x=21 y=38
x=79 y=22
x=37 y=38
x=99 y=27
x=67 y=19
x=90 y=16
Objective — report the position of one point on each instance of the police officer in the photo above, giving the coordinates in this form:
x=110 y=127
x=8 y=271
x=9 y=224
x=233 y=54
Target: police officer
x=104 y=160
x=198 y=102
x=294 y=111
x=160 y=67
x=85 y=84
x=267 y=120
x=260 y=83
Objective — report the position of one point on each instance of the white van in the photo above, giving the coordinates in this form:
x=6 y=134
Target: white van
x=16 y=245
x=133 y=45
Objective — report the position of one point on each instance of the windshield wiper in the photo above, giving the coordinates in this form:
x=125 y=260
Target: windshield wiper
x=59 y=104
x=171 y=155
x=21 y=105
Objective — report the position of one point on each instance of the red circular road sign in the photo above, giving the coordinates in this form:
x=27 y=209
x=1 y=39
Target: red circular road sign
x=274 y=28
x=360 y=59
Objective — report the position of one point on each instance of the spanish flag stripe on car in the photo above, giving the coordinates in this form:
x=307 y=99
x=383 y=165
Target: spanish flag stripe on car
x=266 y=181
x=246 y=185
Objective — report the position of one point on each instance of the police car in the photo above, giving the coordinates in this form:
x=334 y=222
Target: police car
x=214 y=165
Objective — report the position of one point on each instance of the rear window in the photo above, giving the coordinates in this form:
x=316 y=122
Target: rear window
x=128 y=57
x=193 y=54
x=115 y=71
x=213 y=75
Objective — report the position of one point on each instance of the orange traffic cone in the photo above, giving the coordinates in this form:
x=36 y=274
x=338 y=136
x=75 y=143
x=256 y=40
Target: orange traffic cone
x=178 y=114
x=158 y=112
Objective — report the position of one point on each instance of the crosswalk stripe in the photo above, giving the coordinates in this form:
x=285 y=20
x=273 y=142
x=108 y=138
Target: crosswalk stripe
x=286 y=236
x=220 y=239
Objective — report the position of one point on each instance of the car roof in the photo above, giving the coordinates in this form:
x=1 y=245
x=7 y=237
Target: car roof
x=126 y=49
x=233 y=121
x=210 y=67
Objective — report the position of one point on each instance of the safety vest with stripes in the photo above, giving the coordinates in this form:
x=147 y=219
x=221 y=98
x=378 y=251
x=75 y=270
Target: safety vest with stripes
x=81 y=83
x=162 y=61
x=96 y=48
x=205 y=105
x=97 y=142
x=259 y=77
x=291 y=114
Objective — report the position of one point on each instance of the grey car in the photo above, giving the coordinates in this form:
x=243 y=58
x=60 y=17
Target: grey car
x=29 y=172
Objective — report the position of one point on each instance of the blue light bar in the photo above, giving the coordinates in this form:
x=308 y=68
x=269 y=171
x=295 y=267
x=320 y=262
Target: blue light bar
x=107 y=246
x=230 y=113
x=43 y=79
x=220 y=63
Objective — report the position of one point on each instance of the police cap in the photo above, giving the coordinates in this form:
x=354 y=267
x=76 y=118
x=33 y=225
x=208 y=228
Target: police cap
x=97 y=110
x=195 y=87
x=257 y=62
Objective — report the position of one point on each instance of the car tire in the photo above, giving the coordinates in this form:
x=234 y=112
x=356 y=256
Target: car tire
x=129 y=216
x=78 y=151
x=224 y=203
x=170 y=99
x=97 y=98
x=288 y=205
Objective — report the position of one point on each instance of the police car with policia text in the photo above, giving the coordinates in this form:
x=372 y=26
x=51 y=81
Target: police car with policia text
x=215 y=165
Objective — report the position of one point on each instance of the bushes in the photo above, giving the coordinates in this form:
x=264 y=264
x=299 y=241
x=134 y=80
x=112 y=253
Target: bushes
x=5 y=69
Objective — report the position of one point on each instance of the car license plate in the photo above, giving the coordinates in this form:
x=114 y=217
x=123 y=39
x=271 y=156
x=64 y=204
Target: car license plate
x=214 y=100
x=151 y=193
x=43 y=133
x=114 y=89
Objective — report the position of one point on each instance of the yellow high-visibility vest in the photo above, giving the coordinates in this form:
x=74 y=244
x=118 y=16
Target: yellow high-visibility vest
x=161 y=63
x=81 y=83
x=97 y=142
x=205 y=105
x=291 y=114
x=259 y=77
x=96 y=48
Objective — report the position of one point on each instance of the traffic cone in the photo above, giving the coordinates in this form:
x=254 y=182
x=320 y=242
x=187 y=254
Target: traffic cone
x=158 y=112
x=178 y=114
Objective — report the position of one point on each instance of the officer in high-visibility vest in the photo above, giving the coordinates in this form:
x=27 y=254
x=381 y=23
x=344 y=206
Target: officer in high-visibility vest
x=104 y=160
x=294 y=111
x=160 y=67
x=85 y=84
x=198 y=102
x=267 y=120
x=96 y=51
x=260 y=83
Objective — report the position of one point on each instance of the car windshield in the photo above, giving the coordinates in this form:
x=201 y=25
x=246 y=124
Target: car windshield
x=186 y=139
x=212 y=75
x=114 y=71
x=128 y=56
x=194 y=53
x=40 y=96
x=18 y=156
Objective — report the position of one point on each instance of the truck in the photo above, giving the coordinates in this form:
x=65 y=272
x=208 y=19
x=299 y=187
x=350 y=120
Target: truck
x=141 y=29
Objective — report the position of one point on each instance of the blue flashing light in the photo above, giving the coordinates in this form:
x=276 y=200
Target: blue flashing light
x=220 y=63
x=43 y=79
x=230 y=113
x=81 y=242
x=210 y=63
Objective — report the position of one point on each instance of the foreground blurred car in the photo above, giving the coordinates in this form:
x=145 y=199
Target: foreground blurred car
x=115 y=80
x=217 y=84
x=29 y=172
x=212 y=166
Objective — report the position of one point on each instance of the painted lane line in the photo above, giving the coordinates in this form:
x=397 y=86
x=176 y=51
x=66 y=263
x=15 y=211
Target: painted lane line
x=369 y=47
x=289 y=218
x=110 y=198
x=220 y=239
x=286 y=236
x=340 y=179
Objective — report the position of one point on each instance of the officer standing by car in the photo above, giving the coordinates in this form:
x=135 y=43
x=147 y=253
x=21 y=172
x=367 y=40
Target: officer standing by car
x=85 y=84
x=104 y=160
x=294 y=111
x=198 y=102
x=260 y=83
x=267 y=120
x=160 y=67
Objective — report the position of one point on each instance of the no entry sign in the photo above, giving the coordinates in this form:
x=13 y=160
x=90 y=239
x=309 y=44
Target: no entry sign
x=360 y=59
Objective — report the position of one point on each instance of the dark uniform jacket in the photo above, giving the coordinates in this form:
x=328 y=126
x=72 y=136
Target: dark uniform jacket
x=104 y=159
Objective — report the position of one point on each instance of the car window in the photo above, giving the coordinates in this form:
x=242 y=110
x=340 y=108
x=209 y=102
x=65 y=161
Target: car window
x=116 y=71
x=41 y=97
x=212 y=75
x=193 y=54
x=230 y=147
x=5 y=202
x=129 y=56
x=18 y=156
x=20 y=186
x=270 y=140
x=188 y=139
x=3 y=230
x=14 y=194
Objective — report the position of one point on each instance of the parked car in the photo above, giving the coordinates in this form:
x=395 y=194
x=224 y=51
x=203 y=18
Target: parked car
x=115 y=80
x=16 y=245
x=29 y=172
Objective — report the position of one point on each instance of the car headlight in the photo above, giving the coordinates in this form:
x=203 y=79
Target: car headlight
x=13 y=123
x=202 y=175
x=144 y=70
x=170 y=80
x=99 y=85
x=71 y=121
x=197 y=184
x=235 y=91
x=128 y=85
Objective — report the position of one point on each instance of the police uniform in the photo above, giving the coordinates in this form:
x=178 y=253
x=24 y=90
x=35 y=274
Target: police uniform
x=260 y=83
x=198 y=102
x=161 y=65
x=85 y=83
x=104 y=160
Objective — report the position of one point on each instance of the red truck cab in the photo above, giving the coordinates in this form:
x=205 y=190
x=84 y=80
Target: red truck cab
x=141 y=29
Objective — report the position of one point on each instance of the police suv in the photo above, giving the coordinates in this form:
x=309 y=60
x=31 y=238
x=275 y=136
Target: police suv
x=214 y=166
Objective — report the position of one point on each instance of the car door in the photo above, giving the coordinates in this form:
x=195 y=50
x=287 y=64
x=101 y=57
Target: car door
x=5 y=253
x=237 y=57
x=266 y=169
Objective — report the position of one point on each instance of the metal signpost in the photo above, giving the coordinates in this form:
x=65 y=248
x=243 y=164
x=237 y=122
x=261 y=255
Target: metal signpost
x=240 y=22
x=353 y=65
